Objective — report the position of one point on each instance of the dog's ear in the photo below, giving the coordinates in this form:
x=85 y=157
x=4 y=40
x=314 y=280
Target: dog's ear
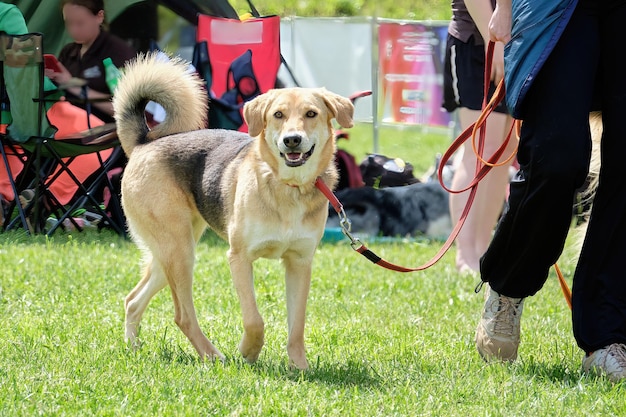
x=254 y=113
x=341 y=108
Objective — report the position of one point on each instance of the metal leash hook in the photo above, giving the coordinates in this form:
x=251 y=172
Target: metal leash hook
x=346 y=227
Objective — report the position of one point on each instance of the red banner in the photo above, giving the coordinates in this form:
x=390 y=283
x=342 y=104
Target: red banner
x=411 y=73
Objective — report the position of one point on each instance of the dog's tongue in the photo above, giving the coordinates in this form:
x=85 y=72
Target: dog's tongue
x=294 y=156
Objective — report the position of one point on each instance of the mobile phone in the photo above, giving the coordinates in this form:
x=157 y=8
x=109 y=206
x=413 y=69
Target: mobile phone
x=50 y=62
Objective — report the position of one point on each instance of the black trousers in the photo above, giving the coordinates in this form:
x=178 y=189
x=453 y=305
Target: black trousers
x=587 y=66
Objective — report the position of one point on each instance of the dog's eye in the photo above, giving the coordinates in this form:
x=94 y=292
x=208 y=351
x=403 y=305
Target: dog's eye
x=278 y=115
x=311 y=114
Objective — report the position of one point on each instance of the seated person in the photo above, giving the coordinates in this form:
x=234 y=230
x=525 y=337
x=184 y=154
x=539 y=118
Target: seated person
x=84 y=21
x=68 y=118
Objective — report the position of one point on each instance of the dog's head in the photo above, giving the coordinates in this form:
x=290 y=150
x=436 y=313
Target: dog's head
x=295 y=131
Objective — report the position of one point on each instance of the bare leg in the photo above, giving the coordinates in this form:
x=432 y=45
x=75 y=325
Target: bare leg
x=488 y=202
x=253 y=326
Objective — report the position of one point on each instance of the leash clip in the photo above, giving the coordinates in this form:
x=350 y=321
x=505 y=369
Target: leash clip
x=346 y=227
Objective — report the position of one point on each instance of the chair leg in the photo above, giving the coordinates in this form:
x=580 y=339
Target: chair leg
x=8 y=222
x=87 y=193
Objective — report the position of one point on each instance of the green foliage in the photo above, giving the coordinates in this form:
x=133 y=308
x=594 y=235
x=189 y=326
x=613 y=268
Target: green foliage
x=379 y=343
x=398 y=9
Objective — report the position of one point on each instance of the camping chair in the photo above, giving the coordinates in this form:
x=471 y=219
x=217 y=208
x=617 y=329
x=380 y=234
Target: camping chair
x=238 y=61
x=31 y=137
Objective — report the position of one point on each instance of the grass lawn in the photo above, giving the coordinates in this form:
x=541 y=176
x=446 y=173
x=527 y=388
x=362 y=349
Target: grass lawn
x=379 y=343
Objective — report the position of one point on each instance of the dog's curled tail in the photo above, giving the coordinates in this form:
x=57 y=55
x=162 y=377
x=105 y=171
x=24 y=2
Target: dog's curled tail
x=168 y=82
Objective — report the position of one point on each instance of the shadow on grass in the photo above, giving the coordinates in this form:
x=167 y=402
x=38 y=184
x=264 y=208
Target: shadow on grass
x=87 y=236
x=351 y=373
x=103 y=236
x=550 y=371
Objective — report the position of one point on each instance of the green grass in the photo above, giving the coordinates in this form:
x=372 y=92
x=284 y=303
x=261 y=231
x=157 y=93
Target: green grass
x=391 y=9
x=379 y=343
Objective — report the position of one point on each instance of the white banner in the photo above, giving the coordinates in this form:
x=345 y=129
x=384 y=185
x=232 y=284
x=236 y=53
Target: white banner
x=335 y=53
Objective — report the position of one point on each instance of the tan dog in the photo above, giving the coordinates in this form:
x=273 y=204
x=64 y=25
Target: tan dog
x=256 y=192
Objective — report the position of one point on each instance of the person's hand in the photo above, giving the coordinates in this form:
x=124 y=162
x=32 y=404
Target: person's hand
x=62 y=77
x=497 y=65
x=500 y=23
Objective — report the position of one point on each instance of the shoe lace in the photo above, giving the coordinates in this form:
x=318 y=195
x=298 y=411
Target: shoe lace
x=618 y=352
x=506 y=316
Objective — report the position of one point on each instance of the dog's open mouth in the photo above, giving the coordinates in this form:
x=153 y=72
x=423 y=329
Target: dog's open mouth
x=295 y=159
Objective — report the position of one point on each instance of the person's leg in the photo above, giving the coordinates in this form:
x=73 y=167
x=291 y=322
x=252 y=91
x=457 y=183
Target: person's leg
x=553 y=154
x=463 y=90
x=477 y=230
x=599 y=290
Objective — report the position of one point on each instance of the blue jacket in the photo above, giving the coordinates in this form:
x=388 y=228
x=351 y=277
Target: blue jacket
x=537 y=26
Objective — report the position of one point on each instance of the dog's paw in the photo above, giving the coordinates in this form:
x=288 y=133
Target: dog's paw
x=250 y=347
x=215 y=356
x=133 y=343
x=131 y=337
x=300 y=364
x=297 y=359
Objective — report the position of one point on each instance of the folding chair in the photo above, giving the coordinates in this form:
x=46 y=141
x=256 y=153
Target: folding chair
x=238 y=59
x=31 y=138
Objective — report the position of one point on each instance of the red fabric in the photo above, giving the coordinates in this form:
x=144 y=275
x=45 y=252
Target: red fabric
x=352 y=169
x=227 y=39
x=68 y=119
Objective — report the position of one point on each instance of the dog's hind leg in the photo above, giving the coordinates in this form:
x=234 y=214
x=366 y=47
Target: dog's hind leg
x=297 y=283
x=136 y=302
x=179 y=271
x=253 y=326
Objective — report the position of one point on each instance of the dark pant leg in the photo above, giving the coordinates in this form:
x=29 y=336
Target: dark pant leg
x=554 y=154
x=599 y=291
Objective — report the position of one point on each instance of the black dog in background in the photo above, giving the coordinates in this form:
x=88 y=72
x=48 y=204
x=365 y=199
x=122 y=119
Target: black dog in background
x=418 y=209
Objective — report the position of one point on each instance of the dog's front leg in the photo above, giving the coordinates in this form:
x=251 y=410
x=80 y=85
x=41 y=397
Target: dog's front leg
x=253 y=326
x=297 y=283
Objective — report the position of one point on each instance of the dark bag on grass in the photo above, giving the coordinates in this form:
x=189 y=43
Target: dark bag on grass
x=380 y=171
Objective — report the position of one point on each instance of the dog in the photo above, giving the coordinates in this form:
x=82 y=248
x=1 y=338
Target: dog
x=419 y=209
x=254 y=190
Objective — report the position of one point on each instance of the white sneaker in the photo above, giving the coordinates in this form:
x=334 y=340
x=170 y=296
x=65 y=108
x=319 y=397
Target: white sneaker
x=498 y=332
x=609 y=361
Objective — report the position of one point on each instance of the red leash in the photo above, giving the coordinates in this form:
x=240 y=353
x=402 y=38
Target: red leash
x=482 y=168
x=358 y=246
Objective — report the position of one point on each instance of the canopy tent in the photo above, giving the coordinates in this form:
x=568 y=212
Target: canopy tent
x=122 y=15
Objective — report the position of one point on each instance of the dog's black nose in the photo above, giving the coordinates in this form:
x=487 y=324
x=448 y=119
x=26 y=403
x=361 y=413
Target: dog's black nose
x=292 y=141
